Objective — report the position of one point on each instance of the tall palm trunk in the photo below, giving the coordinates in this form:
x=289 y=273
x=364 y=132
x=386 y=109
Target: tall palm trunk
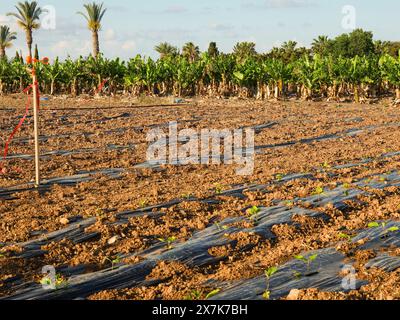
x=2 y=52
x=29 y=41
x=95 y=42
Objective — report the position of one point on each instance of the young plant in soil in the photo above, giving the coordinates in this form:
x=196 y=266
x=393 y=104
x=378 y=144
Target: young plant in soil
x=308 y=262
x=383 y=225
x=199 y=294
x=59 y=282
x=221 y=228
x=212 y=293
x=268 y=275
x=344 y=236
x=318 y=191
x=194 y=295
x=143 y=204
x=169 y=241
x=326 y=165
x=114 y=261
x=219 y=188
x=347 y=187
x=253 y=213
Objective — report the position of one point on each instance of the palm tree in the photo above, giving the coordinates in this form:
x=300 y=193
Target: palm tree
x=320 y=45
x=213 y=50
x=28 y=16
x=94 y=14
x=288 y=49
x=191 y=51
x=166 y=50
x=6 y=38
x=243 y=50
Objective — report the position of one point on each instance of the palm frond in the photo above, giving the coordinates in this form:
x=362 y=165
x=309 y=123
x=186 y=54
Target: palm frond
x=27 y=15
x=94 y=15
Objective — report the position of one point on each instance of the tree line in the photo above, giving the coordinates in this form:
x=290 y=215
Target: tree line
x=350 y=65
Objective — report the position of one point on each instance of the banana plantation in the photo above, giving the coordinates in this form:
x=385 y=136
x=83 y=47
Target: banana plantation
x=310 y=77
x=200 y=175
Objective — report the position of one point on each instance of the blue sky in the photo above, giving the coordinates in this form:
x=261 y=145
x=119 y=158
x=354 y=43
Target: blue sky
x=132 y=27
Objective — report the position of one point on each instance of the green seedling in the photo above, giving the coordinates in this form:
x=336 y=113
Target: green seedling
x=375 y=224
x=143 y=203
x=212 y=293
x=289 y=203
x=253 y=213
x=59 y=282
x=186 y=196
x=307 y=261
x=194 y=295
x=372 y=225
x=221 y=228
x=279 y=177
x=318 y=191
x=326 y=165
x=392 y=229
x=219 y=188
x=347 y=187
x=268 y=275
x=169 y=241
x=345 y=236
x=114 y=261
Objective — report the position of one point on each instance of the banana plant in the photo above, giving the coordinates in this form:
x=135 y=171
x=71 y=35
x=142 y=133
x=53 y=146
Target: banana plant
x=279 y=74
x=134 y=74
x=357 y=72
x=253 y=76
x=372 y=80
x=390 y=70
x=54 y=73
x=5 y=72
x=308 y=75
x=166 y=69
x=73 y=71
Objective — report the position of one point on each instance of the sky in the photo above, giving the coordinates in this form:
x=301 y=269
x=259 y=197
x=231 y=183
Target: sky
x=133 y=27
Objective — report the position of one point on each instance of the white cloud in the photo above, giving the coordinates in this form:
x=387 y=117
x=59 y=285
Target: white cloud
x=109 y=35
x=128 y=45
x=63 y=48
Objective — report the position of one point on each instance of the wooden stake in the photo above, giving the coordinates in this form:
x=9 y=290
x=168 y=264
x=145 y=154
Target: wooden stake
x=36 y=128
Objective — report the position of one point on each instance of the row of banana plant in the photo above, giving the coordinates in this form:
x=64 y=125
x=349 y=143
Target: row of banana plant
x=222 y=75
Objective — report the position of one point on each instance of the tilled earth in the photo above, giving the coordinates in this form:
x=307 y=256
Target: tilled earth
x=325 y=186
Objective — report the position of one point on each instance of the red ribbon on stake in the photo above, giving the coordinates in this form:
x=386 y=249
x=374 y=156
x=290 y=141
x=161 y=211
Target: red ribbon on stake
x=19 y=125
x=101 y=86
x=29 y=60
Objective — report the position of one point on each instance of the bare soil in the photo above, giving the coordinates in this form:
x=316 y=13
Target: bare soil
x=358 y=132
